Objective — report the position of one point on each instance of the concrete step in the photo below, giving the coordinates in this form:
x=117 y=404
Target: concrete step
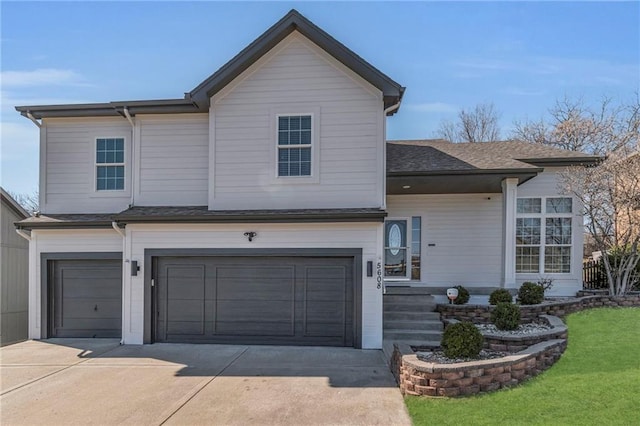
x=413 y=335
x=407 y=290
x=411 y=316
x=413 y=325
x=404 y=298
x=408 y=307
x=422 y=344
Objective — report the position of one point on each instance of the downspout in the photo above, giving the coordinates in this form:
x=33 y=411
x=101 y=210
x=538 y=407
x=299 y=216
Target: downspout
x=116 y=228
x=23 y=234
x=133 y=152
x=32 y=118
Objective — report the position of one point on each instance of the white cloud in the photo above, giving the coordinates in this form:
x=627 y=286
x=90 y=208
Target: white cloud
x=432 y=107
x=41 y=77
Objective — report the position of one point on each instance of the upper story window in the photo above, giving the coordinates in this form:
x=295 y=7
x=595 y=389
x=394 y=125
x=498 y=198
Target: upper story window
x=294 y=145
x=109 y=164
x=402 y=248
x=544 y=235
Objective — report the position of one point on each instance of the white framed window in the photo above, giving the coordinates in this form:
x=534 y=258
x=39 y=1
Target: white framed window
x=110 y=164
x=295 y=140
x=544 y=235
x=402 y=247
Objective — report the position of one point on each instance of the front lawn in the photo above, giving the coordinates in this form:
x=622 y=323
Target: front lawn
x=596 y=381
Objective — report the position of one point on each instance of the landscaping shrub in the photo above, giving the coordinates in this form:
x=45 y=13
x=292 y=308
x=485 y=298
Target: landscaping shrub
x=500 y=295
x=463 y=295
x=462 y=340
x=530 y=294
x=506 y=316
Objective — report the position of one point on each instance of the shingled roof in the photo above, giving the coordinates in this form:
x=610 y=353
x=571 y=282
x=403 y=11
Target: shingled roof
x=436 y=156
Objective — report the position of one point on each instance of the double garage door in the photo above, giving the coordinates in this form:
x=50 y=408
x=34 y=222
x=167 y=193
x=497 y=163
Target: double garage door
x=245 y=300
x=254 y=300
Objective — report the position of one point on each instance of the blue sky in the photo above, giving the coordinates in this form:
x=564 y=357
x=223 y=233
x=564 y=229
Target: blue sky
x=449 y=55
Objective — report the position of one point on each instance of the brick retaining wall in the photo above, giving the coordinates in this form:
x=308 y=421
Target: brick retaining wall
x=481 y=314
x=417 y=377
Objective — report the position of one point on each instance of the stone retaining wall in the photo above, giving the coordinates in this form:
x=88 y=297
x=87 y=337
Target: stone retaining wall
x=514 y=344
x=417 y=377
x=481 y=314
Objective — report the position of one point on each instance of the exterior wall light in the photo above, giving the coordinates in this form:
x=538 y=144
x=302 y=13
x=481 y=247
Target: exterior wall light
x=250 y=235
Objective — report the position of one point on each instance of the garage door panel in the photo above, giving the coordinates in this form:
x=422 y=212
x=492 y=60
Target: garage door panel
x=255 y=328
x=95 y=287
x=90 y=308
x=279 y=300
x=86 y=298
x=189 y=328
x=185 y=282
x=274 y=310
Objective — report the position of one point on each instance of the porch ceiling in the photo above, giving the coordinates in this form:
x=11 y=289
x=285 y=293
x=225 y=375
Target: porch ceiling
x=454 y=183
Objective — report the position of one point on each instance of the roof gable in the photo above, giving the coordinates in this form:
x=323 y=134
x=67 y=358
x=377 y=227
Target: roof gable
x=294 y=21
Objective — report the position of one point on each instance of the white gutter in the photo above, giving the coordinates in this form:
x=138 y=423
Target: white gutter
x=32 y=118
x=115 y=226
x=391 y=109
x=23 y=234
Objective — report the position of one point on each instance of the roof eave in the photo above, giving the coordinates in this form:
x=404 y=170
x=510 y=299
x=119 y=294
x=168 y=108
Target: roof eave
x=531 y=170
x=294 y=21
x=567 y=161
x=265 y=218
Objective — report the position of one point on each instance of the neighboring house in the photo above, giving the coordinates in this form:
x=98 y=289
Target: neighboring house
x=267 y=207
x=14 y=273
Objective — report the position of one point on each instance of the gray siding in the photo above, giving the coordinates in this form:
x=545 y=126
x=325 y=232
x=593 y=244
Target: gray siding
x=14 y=267
x=297 y=77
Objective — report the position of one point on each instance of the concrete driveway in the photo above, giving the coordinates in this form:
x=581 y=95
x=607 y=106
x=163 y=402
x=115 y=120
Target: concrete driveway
x=91 y=381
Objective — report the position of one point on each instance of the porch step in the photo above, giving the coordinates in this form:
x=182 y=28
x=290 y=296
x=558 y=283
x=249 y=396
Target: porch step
x=411 y=316
x=408 y=307
x=428 y=325
x=412 y=335
x=408 y=290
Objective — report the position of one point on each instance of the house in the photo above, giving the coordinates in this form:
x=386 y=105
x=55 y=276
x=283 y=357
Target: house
x=14 y=267
x=267 y=207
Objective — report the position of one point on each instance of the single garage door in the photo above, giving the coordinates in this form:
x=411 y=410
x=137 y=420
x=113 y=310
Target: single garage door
x=85 y=298
x=255 y=300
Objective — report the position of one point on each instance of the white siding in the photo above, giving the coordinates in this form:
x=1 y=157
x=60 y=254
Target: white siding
x=366 y=236
x=173 y=160
x=466 y=233
x=297 y=77
x=62 y=241
x=68 y=184
x=548 y=183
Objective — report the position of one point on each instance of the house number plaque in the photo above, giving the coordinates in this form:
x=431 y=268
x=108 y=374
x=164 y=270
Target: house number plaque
x=379 y=274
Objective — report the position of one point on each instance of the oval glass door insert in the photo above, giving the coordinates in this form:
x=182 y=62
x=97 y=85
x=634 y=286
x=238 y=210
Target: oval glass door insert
x=395 y=239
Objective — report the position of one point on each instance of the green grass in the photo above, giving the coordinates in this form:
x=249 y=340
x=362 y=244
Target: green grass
x=595 y=382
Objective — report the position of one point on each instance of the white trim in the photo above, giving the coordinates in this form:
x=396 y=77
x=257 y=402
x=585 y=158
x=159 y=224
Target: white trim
x=274 y=113
x=509 y=197
x=107 y=193
x=543 y=216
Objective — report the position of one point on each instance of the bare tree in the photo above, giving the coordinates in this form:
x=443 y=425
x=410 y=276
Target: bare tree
x=573 y=125
x=479 y=124
x=610 y=193
x=29 y=202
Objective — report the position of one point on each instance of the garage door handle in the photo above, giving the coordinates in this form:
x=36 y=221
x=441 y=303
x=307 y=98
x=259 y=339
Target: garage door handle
x=95 y=308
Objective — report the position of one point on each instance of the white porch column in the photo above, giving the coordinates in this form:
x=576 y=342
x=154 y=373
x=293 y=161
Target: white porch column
x=509 y=195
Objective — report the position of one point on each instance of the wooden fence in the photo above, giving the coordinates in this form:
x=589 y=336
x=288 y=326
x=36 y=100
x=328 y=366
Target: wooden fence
x=593 y=275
